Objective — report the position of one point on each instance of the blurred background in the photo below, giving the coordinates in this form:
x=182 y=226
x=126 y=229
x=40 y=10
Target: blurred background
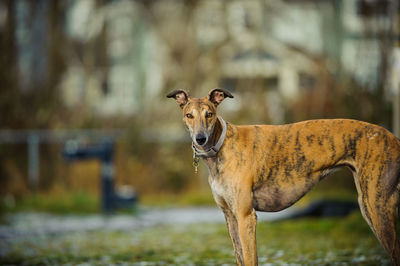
x=76 y=74
x=107 y=65
x=82 y=70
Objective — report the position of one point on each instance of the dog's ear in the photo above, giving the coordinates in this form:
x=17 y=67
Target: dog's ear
x=181 y=97
x=216 y=96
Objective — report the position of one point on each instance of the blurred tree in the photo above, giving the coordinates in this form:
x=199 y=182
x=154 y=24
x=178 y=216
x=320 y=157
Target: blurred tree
x=9 y=94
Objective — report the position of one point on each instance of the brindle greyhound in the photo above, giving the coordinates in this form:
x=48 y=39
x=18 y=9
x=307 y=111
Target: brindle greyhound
x=268 y=168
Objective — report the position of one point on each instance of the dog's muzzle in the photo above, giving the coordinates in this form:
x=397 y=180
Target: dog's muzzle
x=201 y=139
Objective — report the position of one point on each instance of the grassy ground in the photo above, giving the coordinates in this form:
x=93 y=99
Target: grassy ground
x=63 y=203
x=338 y=241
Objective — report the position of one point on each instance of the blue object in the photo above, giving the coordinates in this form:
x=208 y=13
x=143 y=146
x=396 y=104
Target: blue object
x=104 y=151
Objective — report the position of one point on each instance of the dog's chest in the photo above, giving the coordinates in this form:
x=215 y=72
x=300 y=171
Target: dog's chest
x=220 y=191
x=217 y=188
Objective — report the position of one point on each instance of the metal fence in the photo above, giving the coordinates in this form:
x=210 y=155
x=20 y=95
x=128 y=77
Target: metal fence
x=33 y=138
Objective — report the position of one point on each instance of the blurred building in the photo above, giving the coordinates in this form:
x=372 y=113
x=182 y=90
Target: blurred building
x=130 y=72
x=279 y=43
x=123 y=54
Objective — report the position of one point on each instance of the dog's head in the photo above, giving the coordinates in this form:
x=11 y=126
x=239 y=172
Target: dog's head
x=199 y=114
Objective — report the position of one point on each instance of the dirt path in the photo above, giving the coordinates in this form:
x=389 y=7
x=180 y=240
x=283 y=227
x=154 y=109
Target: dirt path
x=25 y=224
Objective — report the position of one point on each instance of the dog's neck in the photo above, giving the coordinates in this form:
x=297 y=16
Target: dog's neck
x=215 y=135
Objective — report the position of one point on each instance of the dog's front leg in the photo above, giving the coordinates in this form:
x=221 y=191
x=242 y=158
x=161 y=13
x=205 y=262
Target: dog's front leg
x=247 y=232
x=233 y=229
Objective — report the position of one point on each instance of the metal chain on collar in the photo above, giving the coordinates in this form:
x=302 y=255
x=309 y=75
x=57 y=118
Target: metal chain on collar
x=196 y=160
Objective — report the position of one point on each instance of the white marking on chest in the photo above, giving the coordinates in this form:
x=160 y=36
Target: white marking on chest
x=217 y=188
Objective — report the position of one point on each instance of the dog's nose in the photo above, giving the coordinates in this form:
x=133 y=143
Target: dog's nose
x=201 y=139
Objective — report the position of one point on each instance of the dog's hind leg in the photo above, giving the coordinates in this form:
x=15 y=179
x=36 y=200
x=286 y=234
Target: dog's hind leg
x=379 y=208
x=384 y=226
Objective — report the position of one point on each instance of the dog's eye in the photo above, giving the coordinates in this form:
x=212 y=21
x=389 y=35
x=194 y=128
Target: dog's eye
x=189 y=116
x=208 y=115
